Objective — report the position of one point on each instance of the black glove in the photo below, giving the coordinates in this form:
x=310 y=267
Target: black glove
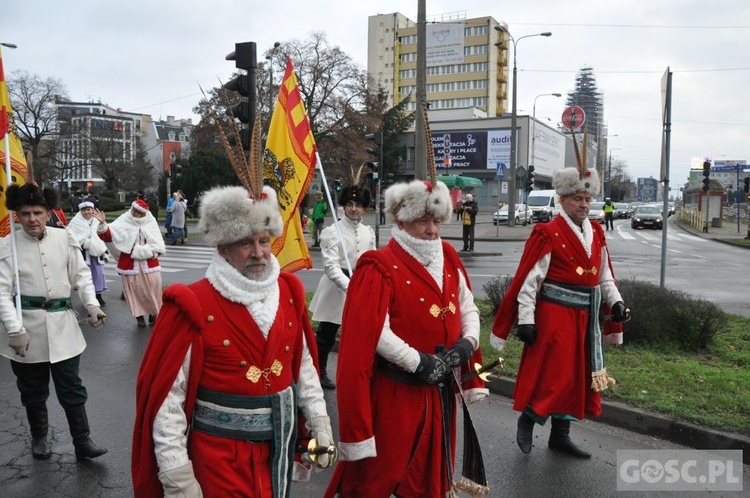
x=619 y=312
x=458 y=354
x=527 y=333
x=432 y=370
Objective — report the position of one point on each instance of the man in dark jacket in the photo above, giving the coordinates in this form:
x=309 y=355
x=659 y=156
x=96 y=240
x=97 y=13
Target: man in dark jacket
x=469 y=220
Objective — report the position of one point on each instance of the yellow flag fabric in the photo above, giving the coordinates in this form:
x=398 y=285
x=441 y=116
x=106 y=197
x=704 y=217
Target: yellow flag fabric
x=16 y=158
x=288 y=166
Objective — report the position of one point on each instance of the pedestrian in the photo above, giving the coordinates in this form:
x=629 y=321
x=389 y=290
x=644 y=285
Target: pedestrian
x=404 y=303
x=83 y=226
x=153 y=206
x=178 y=209
x=136 y=236
x=46 y=341
x=459 y=209
x=188 y=213
x=230 y=361
x=564 y=274
x=318 y=217
x=609 y=214
x=57 y=218
x=168 y=219
x=469 y=212
x=327 y=304
x=381 y=209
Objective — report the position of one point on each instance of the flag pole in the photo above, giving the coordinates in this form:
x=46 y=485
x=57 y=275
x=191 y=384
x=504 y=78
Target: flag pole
x=12 y=234
x=335 y=218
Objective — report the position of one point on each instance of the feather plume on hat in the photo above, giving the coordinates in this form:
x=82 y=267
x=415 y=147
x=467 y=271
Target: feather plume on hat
x=568 y=181
x=407 y=202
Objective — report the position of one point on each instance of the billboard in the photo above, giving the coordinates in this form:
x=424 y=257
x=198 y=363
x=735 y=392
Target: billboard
x=445 y=43
x=647 y=189
x=460 y=149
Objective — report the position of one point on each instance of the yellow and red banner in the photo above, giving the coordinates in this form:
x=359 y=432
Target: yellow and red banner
x=17 y=158
x=289 y=165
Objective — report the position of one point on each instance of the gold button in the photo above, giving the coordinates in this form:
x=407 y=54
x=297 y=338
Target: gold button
x=563 y=246
x=421 y=299
x=290 y=324
x=408 y=282
x=210 y=318
x=286 y=349
x=291 y=301
x=226 y=343
x=449 y=275
x=243 y=363
x=395 y=267
x=453 y=295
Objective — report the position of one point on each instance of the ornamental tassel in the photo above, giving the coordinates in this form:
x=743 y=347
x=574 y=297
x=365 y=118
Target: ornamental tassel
x=473 y=482
x=601 y=380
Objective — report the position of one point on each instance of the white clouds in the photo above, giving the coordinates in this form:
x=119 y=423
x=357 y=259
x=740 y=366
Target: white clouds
x=142 y=53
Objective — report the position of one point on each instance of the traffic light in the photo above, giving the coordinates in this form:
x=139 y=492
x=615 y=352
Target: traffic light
x=175 y=172
x=337 y=185
x=530 y=179
x=747 y=184
x=245 y=58
x=706 y=175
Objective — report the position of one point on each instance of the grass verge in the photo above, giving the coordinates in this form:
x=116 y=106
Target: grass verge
x=709 y=388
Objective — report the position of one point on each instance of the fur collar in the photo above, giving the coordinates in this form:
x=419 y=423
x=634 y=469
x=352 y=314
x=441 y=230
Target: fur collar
x=429 y=253
x=584 y=233
x=85 y=232
x=127 y=231
x=261 y=297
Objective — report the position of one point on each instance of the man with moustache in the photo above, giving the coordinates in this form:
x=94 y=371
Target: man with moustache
x=409 y=320
x=563 y=281
x=351 y=240
x=229 y=365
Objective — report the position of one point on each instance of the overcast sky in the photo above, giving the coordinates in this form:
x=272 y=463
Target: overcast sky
x=149 y=57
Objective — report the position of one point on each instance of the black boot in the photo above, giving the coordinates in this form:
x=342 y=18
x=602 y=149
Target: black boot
x=37 y=415
x=79 y=429
x=101 y=301
x=524 y=435
x=325 y=382
x=559 y=439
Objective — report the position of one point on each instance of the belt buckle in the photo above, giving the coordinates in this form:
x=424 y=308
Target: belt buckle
x=46 y=305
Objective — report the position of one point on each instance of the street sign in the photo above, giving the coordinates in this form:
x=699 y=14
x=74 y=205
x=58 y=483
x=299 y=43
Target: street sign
x=573 y=117
x=500 y=172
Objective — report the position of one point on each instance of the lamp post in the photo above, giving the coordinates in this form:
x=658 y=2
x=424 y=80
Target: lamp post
x=533 y=120
x=269 y=58
x=609 y=172
x=512 y=172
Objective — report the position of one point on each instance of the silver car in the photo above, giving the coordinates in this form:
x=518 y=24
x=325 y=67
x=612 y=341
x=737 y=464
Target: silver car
x=501 y=215
x=596 y=212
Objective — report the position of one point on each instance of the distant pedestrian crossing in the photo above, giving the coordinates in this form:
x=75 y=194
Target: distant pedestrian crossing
x=650 y=236
x=176 y=259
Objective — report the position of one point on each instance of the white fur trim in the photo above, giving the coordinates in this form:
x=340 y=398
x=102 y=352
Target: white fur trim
x=138 y=207
x=85 y=204
x=496 y=342
x=614 y=338
x=567 y=181
x=228 y=214
x=357 y=451
x=429 y=253
x=410 y=201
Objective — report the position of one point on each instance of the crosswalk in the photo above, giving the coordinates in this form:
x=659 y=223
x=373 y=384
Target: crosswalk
x=176 y=259
x=650 y=236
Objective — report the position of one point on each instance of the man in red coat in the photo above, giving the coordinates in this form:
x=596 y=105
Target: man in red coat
x=409 y=319
x=229 y=365
x=564 y=278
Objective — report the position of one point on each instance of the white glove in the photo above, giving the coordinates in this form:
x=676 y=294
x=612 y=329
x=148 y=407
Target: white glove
x=180 y=483
x=96 y=317
x=19 y=341
x=320 y=427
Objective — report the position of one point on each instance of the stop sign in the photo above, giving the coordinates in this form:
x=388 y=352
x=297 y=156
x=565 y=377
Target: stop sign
x=573 y=117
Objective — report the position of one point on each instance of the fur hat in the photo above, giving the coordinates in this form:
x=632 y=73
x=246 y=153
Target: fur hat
x=140 y=205
x=568 y=181
x=228 y=214
x=30 y=195
x=355 y=193
x=85 y=204
x=407 y=202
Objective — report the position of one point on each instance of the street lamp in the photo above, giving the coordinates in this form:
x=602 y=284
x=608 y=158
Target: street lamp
x=512 y=172
x=269 y=58
x=533 y=120
x=609 y=171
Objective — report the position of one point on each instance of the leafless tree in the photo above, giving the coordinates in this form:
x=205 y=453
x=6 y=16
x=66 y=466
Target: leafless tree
x=33 y=99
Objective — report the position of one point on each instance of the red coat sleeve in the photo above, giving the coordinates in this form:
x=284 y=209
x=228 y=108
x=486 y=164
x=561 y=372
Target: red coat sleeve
x=178 y=327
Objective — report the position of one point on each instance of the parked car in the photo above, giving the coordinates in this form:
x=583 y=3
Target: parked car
x=646 y=217
x=622 y=211
x=501 y=215
x=596 y=212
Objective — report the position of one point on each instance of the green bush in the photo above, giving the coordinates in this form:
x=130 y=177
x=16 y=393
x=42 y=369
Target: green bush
x=669 y=316
x=495 y=290
x=110 y=204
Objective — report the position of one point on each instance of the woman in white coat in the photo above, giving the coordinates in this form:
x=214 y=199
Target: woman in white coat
x=327 y=304
x=83 y=227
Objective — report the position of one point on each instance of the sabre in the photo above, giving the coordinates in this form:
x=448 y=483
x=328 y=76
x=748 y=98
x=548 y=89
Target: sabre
x=485 y=371
x=314 y=451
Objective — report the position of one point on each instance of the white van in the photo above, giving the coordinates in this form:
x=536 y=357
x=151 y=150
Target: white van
x=543 y=204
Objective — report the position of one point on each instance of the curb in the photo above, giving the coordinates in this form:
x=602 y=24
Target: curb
x=654 y=425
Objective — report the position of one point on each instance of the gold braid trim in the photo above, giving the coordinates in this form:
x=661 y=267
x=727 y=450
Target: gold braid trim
x=601 y=380
x=469 y=487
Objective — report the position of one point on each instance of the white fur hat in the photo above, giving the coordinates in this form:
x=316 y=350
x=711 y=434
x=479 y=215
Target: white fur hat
x=228 y=214
x=568 y=181
x=410 y=201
